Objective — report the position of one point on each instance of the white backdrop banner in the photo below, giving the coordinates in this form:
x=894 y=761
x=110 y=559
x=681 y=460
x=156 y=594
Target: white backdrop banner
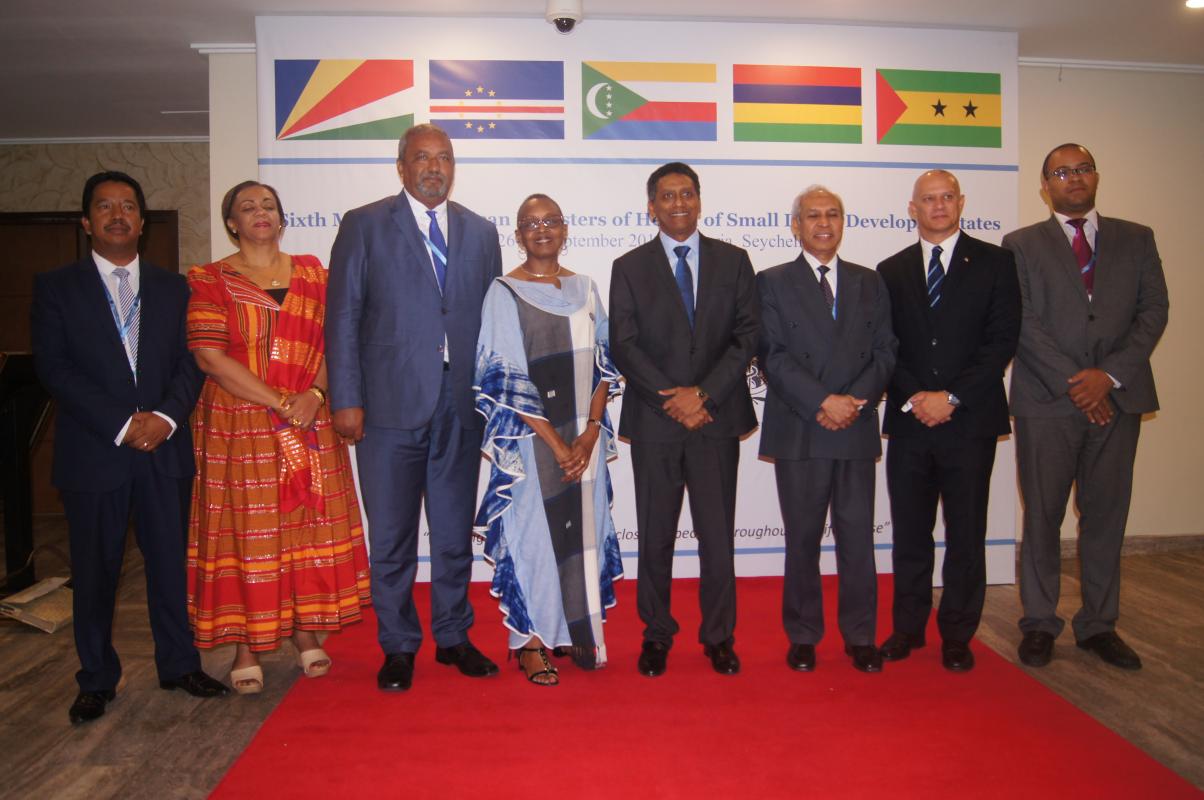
x=759 y=110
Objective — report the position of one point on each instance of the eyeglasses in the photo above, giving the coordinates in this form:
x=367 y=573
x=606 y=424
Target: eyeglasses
x=1064 y=173
x=536 y=224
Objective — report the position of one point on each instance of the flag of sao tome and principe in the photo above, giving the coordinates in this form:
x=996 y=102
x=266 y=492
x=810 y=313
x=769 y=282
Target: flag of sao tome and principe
x=649 y=101
x=796 y=104
x=333 y=99
x=951 y=109
x=498 y=99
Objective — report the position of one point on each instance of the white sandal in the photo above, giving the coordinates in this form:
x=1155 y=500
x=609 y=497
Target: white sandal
x=247 y=680
x=309 y=662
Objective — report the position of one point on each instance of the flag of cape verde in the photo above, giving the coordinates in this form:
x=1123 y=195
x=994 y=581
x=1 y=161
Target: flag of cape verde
x=498 y=99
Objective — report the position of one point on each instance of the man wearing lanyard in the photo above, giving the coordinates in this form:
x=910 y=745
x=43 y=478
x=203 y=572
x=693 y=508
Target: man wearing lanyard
x=408 y=275
x=109 y=345
x=1095 y=305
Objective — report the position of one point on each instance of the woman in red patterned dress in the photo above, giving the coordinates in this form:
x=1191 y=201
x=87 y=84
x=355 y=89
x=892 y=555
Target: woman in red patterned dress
x=275 y=546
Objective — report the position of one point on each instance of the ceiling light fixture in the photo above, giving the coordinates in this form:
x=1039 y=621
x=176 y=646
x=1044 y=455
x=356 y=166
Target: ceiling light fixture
x=1195 y=3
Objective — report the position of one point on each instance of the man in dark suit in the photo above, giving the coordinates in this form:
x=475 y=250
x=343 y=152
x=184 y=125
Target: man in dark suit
x=956 y=310
x=683 y=329
x=109 y=345
x=1095 y=305
x=827 y=352
x=408 y=275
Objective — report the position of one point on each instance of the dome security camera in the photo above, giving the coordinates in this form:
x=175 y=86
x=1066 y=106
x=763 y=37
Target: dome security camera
x=564 y=14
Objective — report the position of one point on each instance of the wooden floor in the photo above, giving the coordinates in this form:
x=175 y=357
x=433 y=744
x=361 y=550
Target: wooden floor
x=156 y=744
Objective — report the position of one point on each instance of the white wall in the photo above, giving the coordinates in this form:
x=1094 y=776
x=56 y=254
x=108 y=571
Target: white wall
x=1144 y=129
x=233 y=147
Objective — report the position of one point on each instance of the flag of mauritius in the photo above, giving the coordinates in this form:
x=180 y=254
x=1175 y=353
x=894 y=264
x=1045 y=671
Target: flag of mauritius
x=949 y=109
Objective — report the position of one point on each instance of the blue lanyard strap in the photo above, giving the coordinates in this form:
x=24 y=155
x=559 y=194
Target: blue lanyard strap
x=430 y=246
x=123 y=327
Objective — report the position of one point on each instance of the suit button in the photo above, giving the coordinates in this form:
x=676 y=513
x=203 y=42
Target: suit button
x=1091 y=318
x=936 y=371
x=444 y=310
x=861 y=355
x=806 y=355
x=934 y=342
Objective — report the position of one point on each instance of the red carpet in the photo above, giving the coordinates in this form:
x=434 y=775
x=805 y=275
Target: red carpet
x=913 y=731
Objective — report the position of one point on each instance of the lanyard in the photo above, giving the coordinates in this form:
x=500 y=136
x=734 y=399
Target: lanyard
x=123 y=328
x=430 y=246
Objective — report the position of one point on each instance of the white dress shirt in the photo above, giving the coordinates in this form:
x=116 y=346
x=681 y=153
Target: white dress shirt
x=424 y=226
x=111 y=281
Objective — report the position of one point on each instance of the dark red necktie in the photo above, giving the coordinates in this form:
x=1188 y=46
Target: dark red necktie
x=1082 y=253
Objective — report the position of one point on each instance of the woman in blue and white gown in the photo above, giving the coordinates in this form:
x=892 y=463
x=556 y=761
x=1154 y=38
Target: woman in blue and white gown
x=543 y=378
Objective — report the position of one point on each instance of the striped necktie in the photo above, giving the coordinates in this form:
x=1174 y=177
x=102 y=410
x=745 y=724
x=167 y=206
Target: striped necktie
x=1082 y=253
x=936 y=276
x=826 y=288
x=439 y=245
x=126 y=307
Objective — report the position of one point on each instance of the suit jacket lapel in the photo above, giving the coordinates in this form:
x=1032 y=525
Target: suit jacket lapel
x=96 y=296
x=403 y=218
x=1105 y=247
x=1067 y=264
x=848 y=292
x=960 y=263
x=810 y=296
x=916 y=280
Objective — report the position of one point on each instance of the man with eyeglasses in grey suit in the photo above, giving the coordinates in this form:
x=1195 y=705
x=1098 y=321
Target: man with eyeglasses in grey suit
x=1094 y=306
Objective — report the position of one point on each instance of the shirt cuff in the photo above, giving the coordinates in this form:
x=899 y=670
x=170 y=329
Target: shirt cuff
x=121 y=434
x=169 y=421
x=1115 y=383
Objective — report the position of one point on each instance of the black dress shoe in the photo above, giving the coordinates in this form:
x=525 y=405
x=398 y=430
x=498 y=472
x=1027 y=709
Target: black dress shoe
x=865 y=657
x=397 y=673
x=801 y=657
x=90 y=705
x=197 y=684
x=956 y=656
x=1036 y=648
x=899 y=646
x=723 y=658
x=468 y=659
x=1112 y=650
x=653 y=656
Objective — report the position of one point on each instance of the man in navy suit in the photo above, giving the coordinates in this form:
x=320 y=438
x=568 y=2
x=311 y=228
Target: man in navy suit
x=827 y=352
x=109 y=345
x=408 y=275
x=955 y=305
x=683 y=328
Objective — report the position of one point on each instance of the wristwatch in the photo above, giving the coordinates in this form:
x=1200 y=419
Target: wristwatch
x=952 y=400
x=702 y=395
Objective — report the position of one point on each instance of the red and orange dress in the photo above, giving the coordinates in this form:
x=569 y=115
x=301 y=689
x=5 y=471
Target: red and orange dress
x=275 y=539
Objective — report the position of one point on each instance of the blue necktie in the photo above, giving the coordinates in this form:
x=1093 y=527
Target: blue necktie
x=936 y=276
x=126 y=307
x=439 y=245
x=685 y=281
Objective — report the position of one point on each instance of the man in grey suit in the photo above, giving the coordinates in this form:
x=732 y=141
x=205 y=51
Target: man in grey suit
x=1095 y=305
x=408 y=275
x=827 y=352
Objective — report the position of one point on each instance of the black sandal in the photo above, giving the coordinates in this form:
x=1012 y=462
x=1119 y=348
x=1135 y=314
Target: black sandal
x=548 y=671
x=584 y=657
